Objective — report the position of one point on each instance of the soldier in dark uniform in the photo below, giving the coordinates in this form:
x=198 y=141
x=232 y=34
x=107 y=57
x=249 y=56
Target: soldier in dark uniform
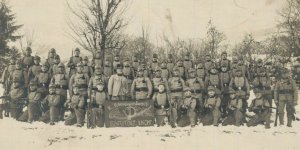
x=212 y=108
x=161 y=104
x=86 y=68
x=164 y=70
x=27 y=62
x=141 y=87
x=81 y=79
x=44 y=79
x=17 y=96
x=286 y=95
x=213 y=79
x=135 y=62
x=187 y=64
x=224 y=60
x=225 y=76
x=108 y=69
x=73 y=62
x=200 y=71
x=154 y=64
x=97 y=61
x=35 y=69
x=208 y=62
x=263 y=84
x=180 y=67
x=170 y=62
x=176 y=85
x=55 y=69
x=187 y=110
x=7 y=75
x=77 y=104
x=51 y=57
x=128 y=72
x=234 y=107
x=158 y=79
x=116 y=62
x=20 y=75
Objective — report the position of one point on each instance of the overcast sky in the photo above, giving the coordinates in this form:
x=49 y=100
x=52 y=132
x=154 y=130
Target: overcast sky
x=47 y=18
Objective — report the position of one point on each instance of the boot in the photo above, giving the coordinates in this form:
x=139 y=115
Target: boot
x=289 y=124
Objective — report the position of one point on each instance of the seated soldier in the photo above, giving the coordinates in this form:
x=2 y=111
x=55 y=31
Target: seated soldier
x=187 y=114
x=161 y=105
x=77 y=104
x=234 y=110
x=261 y=107
x=212 y=108
x=17 y=99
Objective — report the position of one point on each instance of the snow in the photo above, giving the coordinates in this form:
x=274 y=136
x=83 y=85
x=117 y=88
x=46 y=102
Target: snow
x=16 y=135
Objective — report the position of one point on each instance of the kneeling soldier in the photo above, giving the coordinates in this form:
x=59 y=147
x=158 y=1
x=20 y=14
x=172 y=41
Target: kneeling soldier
x=187 y=115
x=17 y=99
x=54 y=101
x=161 y=104
x=234 y=110
x=212 y=108
x=77 y=104
x=261 y=107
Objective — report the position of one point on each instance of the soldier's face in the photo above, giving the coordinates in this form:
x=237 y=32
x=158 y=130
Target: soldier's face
x=77 y=53
x=211 y=93
x=192 y=74
x=52 y=90
x=239 y=73
x=224 y=69
x=232 y=95
x=213 y=70
x=18 y=66
x=16 y=84
x=161 y=88
x=207 y=58
x=187 y=94
x=85 y=62
x=76 y=90
x=154 y=59
x=140 y=73
x=117 y=58
x=36 y=62
x=44 y=68
x=79 y=69
x=163 y=65
x=57 y=60
x=285 y=75
x=158 y=73
x=12 y=62
x=224 y=56
x=98 y=55
x=100 y=87
x=119 y=71
x=28 y=52
x=175 y=73
x=98 y=71
x=61 y=69
x=52 y=54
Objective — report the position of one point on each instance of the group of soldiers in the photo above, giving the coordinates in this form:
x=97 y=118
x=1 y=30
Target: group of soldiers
x=184 y=92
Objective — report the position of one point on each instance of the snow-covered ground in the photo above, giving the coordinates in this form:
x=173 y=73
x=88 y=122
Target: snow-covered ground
x=17 y=135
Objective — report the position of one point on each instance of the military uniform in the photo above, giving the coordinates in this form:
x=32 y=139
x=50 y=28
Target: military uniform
x=261 y=107
x=200 y=71
x=224 y=61
x=135 y=63
x=54 y=68
x=20 y=75
x=43 y=80
x=33 y=111
x=97 y=61
x=35 y=69
x=170 y=63
x=263 y=83
x=176 y=85
x=161 y=105
x=164 y=71
x=77 y=104
x=73 y=62
x=115 y=63
x=81 y=79
x=212 y=105
x=108 y=69
x=7 y=75
x=86 y=68
x=286 y=94
x=213 y=79
x=234 y=107
x=208 y=62
x=117 y=86
x=187 y=110
x=17 y=96
x=187 y=64
x=154 y=64
x=128 y=72
x=225 y=76
x=51 y=57
x=180 y=67
x=141 y=87
x=158 y=79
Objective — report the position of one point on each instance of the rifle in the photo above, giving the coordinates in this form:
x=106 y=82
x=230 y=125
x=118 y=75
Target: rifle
x=276 y=117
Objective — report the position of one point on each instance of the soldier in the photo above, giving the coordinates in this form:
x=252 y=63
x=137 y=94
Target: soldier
x=208 y=62
x=187 y=64
x=200 y=70
x=117 y=85
x=161 y=104
x=212 y=105
x=141 y=88
x=164 y=70
x=81 y=79
x=213 y=79
x=259 y=66
x=97 y=98
x=197 y=88
x=35 y=69
x=128 y=72
x=33 y=111
x=116 y=62
x=187 y=110
x=180 y=67
x=176 y=85
x=224 y=60
x=27 y=60
x=55 y=69
x=61 y=81
x=286 y=95
x=108 y=69
x=51 y=57
x=97 y=61
x=263 y=84
x=261 y=107
x=147 y=71
x=225 y=76
x=77 y=104
x=154 y=63
x=235 y=114
x=73 y=62
x=54 y=102
x=17 y=96
x=135 y=62
x=244 y=68
x=170 y=63
x=7 y=75
x=240 y=84
x=86 y=68
x=158 y=79
x=296 y=73
x=44 y=79
x=20 y=75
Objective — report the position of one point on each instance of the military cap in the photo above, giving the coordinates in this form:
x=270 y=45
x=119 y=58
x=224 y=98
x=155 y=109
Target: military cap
x=238 y=69
x=77 y=49
x=57 y=57
x=207 y=54
x=98 y=67
x=18 y=62
x=52 y=86
x=256 y=90
x=191 y=70
x=259 y=60
x=98 y=51
x=37 y=58
x=52 y=50
x=85 y=58
x=28 y=49
x=162 y=83
x=224 y=53
x=119 y=66
x=231 y=91
x=79 y=64
x=211 y=88
x=75 y=85
x=61 y=65
x=187 y=89
x=33 y=82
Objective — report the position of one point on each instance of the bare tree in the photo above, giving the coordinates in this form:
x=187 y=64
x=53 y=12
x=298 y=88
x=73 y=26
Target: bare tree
x=98 y=25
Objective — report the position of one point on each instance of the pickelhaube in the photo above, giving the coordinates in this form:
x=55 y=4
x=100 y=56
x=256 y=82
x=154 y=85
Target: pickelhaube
x=61 y=65
x=52 y=50
x=77 y=49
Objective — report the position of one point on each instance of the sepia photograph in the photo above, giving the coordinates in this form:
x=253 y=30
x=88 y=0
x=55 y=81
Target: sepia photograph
x=149 y=74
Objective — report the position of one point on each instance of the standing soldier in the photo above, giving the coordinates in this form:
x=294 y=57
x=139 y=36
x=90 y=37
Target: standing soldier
x=196 y=86
x=77 y=104
x=225 y=76
x=81 y=79
x=35 y=69
x=141 y=88
x=55 y=69
x=158 y=79
x=161 y=104
x=244 y=68
x=27 y=62
x=108 y=69
x=263 y=84
x=296 y=73
x=164 y=70
x=97 y=98
x=187 y=64
x=135 y=62
x=116 y=62
x=261 y=107
x=33 y=111
x=44 y=79
x=176 y=85
x=128 y=72
x=17 y=96
x=187 y=110
x=180 y=67
x=20 y=75
x=212 y=105
x=286 y=95
x=117 y=85
x=97 y=61
x=213 y=79
x=224 y=60
x=170 y=62
x=240 y=84
x=235 y=114
x=200 y=70
x=51 y=57
x=154 y=63
x=86 y=68
x=208 y=62
x=73 y=62
x=7 y=75
x=61 y=81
